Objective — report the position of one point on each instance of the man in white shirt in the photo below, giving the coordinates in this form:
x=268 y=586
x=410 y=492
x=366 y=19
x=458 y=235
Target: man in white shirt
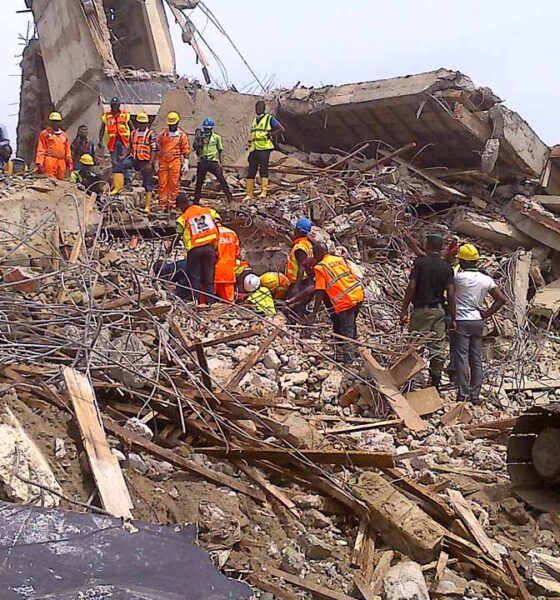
x=471 y=288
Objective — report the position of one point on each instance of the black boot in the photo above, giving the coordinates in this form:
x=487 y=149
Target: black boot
x=435 y=380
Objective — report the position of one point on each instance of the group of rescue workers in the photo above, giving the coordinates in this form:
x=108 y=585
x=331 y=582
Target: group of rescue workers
x=446 y=288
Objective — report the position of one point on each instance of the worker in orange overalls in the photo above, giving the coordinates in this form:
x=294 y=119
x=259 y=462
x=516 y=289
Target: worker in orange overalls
x=228 y=254
x=174 y=150
x=54 y=152
x=116 y=133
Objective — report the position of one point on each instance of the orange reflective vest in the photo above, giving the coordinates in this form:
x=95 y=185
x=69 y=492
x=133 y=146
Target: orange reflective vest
x=333 y=274
x=228 y=251
x=53 y=145
x=292 y=270
x=142 y=143
x=173 y=147
x=116 y=126
x=199 y=228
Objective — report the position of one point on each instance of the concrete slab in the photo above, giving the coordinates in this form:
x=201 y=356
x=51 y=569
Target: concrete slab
x=546 y=302
x=535 y=221
x=551 y=203
x=499 y=233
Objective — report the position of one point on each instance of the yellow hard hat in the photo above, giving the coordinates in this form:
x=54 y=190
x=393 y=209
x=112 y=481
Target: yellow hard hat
x=270 y=280
x=468 y=252
x=217 y=216
x=87 y=159
x=173 y=118
x=142 y=118
x=55 y=116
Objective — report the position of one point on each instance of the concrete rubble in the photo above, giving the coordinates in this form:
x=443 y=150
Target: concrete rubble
x=303 y=480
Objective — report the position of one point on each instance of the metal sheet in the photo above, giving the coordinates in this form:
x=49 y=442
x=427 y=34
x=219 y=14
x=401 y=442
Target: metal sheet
x=65 y=555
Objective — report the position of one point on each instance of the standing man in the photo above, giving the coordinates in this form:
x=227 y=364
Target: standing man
x=54 y=154
x=471 y=288
x=264 y=129
x=430 y=280
x=82 y=144
x=228 y=253
x=174 y=150
x=209 y=147
x=116 y=132
x=337 y=287
x=199 y=234
x=141 y=157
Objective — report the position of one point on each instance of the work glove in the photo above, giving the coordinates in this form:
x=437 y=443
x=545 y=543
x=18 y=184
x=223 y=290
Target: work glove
x=185 y=166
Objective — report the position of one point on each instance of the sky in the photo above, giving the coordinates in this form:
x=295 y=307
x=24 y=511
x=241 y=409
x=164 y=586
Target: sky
x=507 y=45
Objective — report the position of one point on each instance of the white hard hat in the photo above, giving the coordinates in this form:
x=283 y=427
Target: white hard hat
x=252 y=283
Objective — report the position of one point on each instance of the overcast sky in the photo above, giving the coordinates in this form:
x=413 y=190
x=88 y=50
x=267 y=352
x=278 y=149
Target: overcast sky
x=508 y=45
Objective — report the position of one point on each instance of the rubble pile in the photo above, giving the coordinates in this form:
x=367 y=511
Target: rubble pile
x=307 y=478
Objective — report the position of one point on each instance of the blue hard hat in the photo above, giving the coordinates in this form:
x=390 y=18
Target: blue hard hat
x=304 y=224
x=209 y=123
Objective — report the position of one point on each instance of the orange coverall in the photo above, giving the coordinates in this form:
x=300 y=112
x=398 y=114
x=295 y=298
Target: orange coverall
x=54 y=154
x=173 y=149
x=228 y=253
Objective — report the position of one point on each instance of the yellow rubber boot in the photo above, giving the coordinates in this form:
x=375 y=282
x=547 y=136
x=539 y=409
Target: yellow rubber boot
x=250 y=189
x=264 y=187
x=118 y=183
x=148 y=207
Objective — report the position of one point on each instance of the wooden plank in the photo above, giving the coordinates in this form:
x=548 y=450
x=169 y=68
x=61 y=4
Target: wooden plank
x=527 y=385
x=523 y=592
x=244 y=367
x=271 y=588
x=357 y=458
x=269 y=488
x=365 y=589
x=126 y=300
x=409 y=364
x=367 y=561
x=317 y=590
x=359 y=543
x=441 y=565
x=364 y=427
x=105 y=467
x=203 y=364
x=162 y=453
x=381 y=569
x=466 y=514
x=234 y=337
x=395 y=399
x=458 y=414
x=426 y=401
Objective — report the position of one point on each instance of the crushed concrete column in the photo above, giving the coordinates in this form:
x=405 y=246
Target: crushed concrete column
x=402 y=523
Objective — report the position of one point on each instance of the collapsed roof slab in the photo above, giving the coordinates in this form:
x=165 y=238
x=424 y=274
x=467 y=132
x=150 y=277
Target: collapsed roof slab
x=535 y=221
x=442 y=111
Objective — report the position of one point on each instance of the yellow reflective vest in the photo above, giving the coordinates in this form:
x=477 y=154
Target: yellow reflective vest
x=260 y=133
x=263 y=301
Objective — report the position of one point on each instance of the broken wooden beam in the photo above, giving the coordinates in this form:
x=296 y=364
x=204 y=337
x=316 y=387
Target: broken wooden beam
x=348 y=458
x=319 y=591
x=105 y=467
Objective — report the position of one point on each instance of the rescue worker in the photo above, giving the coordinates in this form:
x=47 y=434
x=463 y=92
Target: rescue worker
x=471 y=288
x=298 y=268
x=84 y=175
x=116 y=133
x=82 y=144
x=277 y=283
x=338 y=289
x=54 y=154
x=209 y=148
x=199 y=234
x=141 y=157
x=264 y=129
x=258 y=295
x=228 y=254
x=6 y=162
x=431 y=280
x=173 y=154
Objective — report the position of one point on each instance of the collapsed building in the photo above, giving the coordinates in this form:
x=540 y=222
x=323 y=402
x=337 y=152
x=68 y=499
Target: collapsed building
x=307 y=479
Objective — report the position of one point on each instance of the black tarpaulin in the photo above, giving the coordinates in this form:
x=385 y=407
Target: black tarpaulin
x=64 y=555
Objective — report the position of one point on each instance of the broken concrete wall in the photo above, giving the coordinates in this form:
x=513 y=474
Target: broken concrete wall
x=535 y=221
x=231 y=111
x=35 y=101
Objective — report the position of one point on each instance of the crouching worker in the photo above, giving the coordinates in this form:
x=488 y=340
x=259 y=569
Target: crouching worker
x=228 y=255
x=199 y=234
x=338 y=289
x=85 y=176
x=175 y=272
x=277 y=283
x=258 y=295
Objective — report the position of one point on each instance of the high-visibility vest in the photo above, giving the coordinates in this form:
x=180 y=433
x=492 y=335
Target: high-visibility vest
x=342 y=287
x=228 y=251
x=293 y=268
x=241 y=266
x=260 y=133
x=199 y=228
x=116 y=126
x=173 y=147
x=141 y=144
x=263 y=301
